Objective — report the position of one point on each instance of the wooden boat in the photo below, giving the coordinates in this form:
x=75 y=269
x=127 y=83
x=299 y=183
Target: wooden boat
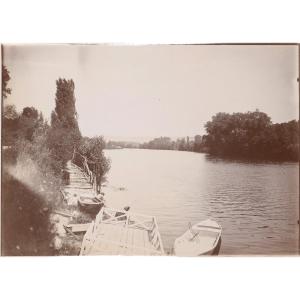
x=203 y=238
x=90 y=203
x=116 y=232
x=77 y=228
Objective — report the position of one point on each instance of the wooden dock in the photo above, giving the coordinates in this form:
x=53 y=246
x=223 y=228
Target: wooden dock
x=83 y=179
x=121 y=233
x=113 y=232
x=79 y=185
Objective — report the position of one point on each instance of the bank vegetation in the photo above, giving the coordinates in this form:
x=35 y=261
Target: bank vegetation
x=250 y=135
x=34 y=156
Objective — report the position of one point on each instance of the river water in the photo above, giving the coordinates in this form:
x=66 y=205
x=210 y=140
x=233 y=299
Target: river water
x=255 y=203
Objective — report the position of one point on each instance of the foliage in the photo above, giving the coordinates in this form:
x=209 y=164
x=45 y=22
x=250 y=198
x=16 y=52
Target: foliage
x=166 y=143
x=29 y=121
x=162 y=143
x=33 y=148
x=92 y=149
x=10 y=112
x=65 y=111
x=198 y=145
x=121 y=144
x=33 y=167
x=182 y=144
x=64 y=134
x=252 y=135
x=243 y=135
x=5 y=78
x=30 y=189
x=10 y=125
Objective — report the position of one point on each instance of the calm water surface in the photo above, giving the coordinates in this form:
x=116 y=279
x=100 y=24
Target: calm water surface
x=256 y=203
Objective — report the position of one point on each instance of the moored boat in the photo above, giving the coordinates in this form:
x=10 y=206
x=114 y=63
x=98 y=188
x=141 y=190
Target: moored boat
x=90 y=203
x=203 y=238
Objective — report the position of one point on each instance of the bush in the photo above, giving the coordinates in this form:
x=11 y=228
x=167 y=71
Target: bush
x=92 y=149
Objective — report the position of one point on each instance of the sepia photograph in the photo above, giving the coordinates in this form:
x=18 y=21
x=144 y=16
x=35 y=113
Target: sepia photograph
x=142 y=150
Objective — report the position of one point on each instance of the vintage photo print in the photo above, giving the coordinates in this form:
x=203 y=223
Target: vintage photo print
x=183 y=150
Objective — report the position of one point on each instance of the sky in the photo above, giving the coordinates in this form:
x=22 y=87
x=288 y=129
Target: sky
x=140 y=92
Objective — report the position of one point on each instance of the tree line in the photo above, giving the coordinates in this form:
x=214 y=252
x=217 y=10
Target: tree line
x=249 y=135
x=29 y=129
x=252 y=135
x=121 y=144
x=180 y=144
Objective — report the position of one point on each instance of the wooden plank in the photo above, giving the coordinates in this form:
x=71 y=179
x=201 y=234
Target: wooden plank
x=113 y=246
x=140 y=226
x=110 y=236
x=78 y=179
x=118 y=234
x=122 y=240
x=161 y=247
x=105 y=233
x=127 y=237
x=110 y=246
x=70 y=231
x=75 y=173
x=99 y=244
x=146 y=240
x=129 y=241
x=119 y=238
x=87 y=240
x=62 y=213
x=78 y=227
x=79 y=192
x=139 y=241
x=81 y=187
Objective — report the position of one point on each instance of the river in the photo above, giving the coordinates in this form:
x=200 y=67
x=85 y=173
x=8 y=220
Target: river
x=255 y=203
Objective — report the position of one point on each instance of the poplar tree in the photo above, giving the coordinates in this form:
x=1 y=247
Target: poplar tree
x=64 y=133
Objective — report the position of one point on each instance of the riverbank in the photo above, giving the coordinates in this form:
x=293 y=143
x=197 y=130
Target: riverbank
x=233 y=157
x=26 y=226
x=33 y=212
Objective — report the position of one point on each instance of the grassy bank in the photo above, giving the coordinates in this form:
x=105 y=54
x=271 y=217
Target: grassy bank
x=26 y=209
x=31 y=202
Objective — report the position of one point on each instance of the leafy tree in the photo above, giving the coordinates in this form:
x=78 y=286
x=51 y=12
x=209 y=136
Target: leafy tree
x=28 y=122
x=10 y=112
x=197 y=147
x=162 y=143
x=5 y=79
x=65 y=114
x=10 y=115
x=92 y=149
x=252 y=135
x=64 y=134
x=10 y=125
x=182 y=145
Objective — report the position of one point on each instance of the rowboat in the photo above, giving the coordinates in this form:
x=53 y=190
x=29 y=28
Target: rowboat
x=90 y=203
x=203 y=238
